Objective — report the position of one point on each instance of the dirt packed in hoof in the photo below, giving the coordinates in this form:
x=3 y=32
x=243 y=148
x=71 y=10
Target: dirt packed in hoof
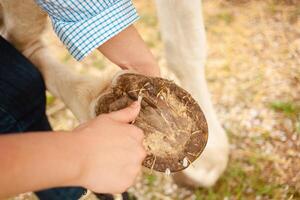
x=174 y=126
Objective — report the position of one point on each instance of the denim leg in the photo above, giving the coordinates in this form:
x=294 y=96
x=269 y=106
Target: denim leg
x=22 y=106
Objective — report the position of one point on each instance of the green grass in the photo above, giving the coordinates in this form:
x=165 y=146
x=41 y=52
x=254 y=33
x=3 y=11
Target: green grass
x=288 y=108
x=151 y=178
x=226 y=17
x=222 y=17
x=228 y=186
x=239 y=183
x=49 y=99
x=149 y=19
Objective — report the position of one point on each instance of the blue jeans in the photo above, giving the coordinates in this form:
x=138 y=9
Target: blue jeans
x=22 y=106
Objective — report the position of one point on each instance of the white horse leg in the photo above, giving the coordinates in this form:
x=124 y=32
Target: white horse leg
x=183 y=35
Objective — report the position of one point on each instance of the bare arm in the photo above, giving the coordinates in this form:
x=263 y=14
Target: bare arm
x=103 y=155
x=129 y=51
x=35 y=161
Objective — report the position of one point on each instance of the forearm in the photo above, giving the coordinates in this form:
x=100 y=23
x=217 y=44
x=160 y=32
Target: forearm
x=34 y=161
x=129 y=51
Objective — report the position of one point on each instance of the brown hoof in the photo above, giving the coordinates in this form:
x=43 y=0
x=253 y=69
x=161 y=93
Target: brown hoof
x=174 y=126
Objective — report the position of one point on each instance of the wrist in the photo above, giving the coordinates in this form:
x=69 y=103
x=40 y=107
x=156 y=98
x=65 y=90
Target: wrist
x=73 y=156
x=79 y=146
x=148 y=68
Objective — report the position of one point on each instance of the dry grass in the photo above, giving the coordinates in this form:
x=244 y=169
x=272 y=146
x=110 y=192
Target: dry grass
x=253 y=71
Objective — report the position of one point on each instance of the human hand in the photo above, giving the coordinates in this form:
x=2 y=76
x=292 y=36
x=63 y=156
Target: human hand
x=112 y=151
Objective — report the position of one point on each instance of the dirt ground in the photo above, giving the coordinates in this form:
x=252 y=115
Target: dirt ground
x=253 y=72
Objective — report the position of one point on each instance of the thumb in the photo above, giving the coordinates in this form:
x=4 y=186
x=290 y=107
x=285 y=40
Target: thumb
x=127 y=114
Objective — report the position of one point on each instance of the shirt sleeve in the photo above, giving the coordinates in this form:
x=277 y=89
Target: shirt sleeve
x=83 y=25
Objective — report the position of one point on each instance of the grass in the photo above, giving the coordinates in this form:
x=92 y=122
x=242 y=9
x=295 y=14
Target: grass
x=49 y=99
x=151 y=178
x=247 y=176
x=288 y=108
x=237 y=183
x=226 y=17
x=149 y=19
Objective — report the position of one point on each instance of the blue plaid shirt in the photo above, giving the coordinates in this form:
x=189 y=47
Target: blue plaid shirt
x=83 y=25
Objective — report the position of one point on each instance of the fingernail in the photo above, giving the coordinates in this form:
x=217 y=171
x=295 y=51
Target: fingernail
x=140 y=98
